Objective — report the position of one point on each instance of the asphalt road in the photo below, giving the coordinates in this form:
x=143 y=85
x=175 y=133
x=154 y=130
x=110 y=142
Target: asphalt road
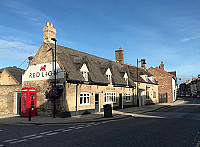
x=171 y=127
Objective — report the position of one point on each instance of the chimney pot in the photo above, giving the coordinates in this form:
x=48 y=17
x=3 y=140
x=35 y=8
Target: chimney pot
x=161 y=65
x=119 y=55
x=30 y=58
x=48 y=33
x=47 y=23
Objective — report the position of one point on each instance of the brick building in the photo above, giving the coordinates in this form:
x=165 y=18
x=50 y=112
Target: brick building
x=167 y=82
x=10 y=90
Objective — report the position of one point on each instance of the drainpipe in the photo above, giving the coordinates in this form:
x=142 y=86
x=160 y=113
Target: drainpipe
x=76 y=98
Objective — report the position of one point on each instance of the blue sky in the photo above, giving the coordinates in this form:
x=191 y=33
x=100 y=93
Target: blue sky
x=156 y=30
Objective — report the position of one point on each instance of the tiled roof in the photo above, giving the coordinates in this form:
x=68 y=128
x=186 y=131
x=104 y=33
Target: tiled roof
x=163 y=71
x=72 y=60
x=15 y=72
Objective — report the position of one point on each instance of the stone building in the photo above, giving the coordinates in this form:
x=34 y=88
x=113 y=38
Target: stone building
x=87 y=82
x=193 y=87
x=185 y=89
x=167 y=82
x=10 y=90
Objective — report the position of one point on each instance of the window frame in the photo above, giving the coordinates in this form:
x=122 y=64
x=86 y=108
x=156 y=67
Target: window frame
x=85 y=75
x=154 y=94
x=84 y=96
x=113 y=97
x=128 y=95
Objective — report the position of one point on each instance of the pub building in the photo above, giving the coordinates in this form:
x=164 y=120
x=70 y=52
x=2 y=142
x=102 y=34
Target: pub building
x=84 y=82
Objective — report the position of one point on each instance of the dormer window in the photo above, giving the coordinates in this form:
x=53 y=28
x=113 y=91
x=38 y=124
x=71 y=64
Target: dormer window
x=145 y=77
x=109 y=75
x=152 y=79
x=126 y=78
x=84 y=70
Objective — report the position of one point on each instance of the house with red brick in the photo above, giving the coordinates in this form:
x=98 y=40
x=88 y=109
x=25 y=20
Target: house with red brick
x=167 y=83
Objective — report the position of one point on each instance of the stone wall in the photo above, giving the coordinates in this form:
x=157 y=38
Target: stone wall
x=8 y=99
x=44 y=104
x=7 y=79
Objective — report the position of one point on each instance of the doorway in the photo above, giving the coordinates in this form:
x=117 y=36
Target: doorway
x=97 y=102
x=120 y=101
x=18 y=103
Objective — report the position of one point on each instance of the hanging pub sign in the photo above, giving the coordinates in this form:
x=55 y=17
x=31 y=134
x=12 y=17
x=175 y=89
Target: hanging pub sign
x=43 y=71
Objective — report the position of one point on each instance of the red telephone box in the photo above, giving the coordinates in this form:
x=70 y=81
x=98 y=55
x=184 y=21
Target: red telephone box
x=28 y=100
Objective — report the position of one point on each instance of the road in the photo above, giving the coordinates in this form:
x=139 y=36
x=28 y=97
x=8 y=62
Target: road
x=171 y=127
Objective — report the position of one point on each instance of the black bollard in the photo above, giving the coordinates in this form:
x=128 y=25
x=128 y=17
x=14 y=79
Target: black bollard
x=29 y=116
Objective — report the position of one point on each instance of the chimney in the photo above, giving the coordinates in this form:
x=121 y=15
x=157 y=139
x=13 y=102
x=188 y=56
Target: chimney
x=30 y=59
x=48 y=33
x=143 y=63
x=119 y=56
x=161 y=65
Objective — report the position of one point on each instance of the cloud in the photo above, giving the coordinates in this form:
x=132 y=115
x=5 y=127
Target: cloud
x=14 y=49
x=190 y=38
x=27 y=11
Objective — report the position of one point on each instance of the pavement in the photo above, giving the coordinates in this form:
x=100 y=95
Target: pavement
x=96 y=117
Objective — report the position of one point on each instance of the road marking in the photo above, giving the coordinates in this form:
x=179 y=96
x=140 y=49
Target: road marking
x=1 y=144
x=81 y=125
x=96 y=124
x=78 y=128
x=46 y=132
x=29 y=136
x=36 y=137
x=59 y=130
x=1 y=130
x=10 y=140
x=18 y=141
x=67 y=130
x=52 y=133
x=89 y=125
x=72 y=127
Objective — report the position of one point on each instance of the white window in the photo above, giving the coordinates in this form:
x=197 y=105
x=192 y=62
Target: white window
x=126 y=78
x=152 y=79
x=84 y=98
x=128 y=97
x=85 y=75
x=145 y=77
x=154 y=94
x=110 y=97
x=84 y=70
x=109 y=75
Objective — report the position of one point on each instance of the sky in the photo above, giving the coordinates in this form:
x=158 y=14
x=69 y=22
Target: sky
x=156 y=30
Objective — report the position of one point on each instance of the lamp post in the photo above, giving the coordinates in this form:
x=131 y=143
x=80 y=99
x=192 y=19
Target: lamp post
x=143 y=62
x=137 y=86
x=54 y=103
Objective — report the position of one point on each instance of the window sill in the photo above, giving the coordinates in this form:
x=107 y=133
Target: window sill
x=128 y=101
x=84 y=105
x=110 y=102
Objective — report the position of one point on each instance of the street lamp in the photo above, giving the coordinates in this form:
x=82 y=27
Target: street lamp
x=138 y=82
x=54 y=103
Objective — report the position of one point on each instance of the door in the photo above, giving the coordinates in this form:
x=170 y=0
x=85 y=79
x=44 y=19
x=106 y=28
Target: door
x=120 y=101
x=97 y=102
x=18 y=103
x=33 y=104
x=23 y=104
